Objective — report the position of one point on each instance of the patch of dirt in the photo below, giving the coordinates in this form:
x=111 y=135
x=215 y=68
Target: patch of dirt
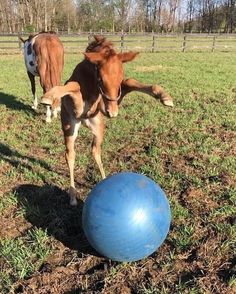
x=12 y=227
x=198 y=202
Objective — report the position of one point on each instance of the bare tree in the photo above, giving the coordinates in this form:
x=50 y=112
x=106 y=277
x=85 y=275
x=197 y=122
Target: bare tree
x=230 y=13
x=141 y=15
x=122 y=10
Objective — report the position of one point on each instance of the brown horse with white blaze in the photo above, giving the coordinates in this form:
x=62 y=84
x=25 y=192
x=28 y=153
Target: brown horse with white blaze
x=94 y=90
x=44 y=57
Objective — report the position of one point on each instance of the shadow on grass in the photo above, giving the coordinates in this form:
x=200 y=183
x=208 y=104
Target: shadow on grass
x=12 y=102
x=15 y=159
x=47 y=207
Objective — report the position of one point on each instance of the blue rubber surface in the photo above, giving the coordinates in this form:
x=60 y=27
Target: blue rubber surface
x=126 y=217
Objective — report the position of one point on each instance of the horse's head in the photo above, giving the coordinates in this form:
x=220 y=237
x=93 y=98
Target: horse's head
x=110 y=74
x=26 y=41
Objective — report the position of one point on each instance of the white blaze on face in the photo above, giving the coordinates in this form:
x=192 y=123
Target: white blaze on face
x=29 y=55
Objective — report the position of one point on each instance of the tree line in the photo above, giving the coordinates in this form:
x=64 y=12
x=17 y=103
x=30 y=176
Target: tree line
x=118 y=15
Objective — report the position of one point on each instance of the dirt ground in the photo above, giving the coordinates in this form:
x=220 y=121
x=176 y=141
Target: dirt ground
x=75 y=267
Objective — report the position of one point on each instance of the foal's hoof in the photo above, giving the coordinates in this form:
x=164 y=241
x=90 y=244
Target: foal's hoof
x=73 y=202
x=48 y=119
x=73 y=196
x=35 y=107
x=168 y=102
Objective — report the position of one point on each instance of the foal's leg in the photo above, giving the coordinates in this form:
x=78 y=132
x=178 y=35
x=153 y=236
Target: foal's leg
x=54 y=94
x=48 y=118
x=55 y=112
x=96 y=125
x=70 y=129
x=32 y=82
x=53 y=97
x=45 y=83
x=156 y=91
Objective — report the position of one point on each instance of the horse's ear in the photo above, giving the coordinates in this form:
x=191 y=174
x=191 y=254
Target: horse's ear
x=22 y=40
x=127 y=56
x=94 y=57
x=99 y=38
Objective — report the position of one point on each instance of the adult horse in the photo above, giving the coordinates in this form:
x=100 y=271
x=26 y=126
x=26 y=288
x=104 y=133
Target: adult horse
x=44 y=57
x=95 y=89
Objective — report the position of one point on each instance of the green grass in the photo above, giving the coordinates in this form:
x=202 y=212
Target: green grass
x=22 y=256
x=189 y=150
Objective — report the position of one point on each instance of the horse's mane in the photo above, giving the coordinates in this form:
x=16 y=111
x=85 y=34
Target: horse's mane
x=100 y=44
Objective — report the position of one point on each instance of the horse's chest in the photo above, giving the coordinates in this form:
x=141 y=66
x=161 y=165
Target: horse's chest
x=30 y=58
x=91 y=106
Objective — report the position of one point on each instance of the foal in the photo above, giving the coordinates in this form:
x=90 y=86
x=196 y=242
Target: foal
x=44 y=57
x=94 y=90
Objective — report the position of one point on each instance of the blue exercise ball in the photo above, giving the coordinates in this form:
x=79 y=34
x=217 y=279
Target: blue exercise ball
x=126 y=217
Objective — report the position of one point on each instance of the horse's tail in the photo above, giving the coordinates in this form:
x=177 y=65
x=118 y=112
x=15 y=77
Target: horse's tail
x=50 y=59
x=56 y=63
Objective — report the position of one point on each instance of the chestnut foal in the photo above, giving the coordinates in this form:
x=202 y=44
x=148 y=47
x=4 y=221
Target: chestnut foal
x=95 y=89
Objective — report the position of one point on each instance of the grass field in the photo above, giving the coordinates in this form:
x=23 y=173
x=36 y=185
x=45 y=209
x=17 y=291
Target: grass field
x=189 y=150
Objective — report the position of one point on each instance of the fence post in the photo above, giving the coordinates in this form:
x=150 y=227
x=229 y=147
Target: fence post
x=122 y=41
x=213 y=44
x=19 y=42
x=184 y=43
x=89 y=36
x=153 y=43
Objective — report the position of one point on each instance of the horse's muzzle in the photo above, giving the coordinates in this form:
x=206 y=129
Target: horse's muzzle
x=112 y=113
x=112 y=109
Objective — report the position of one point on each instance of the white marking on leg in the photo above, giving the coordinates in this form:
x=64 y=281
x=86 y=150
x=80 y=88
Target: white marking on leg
x=72 y=190
x=35 y=102
x=54 y=113
x=76 y=129
x=48 y=113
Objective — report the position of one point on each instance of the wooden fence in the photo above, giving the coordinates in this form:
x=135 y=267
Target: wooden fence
x=145 y=42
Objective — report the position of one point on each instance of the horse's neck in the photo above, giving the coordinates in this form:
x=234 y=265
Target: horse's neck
x=85 y=74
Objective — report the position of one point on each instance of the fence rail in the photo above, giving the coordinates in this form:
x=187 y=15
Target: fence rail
x=144 y=42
